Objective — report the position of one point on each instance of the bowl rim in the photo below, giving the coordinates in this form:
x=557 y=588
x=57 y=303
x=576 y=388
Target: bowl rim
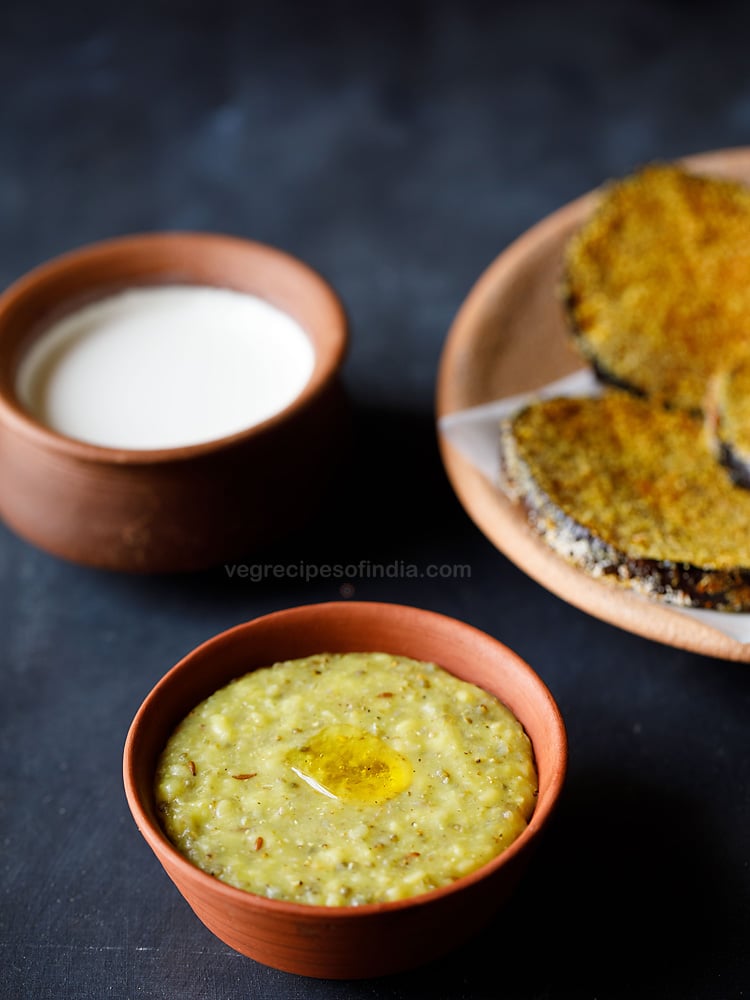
x=158 y=841
x=328 y=360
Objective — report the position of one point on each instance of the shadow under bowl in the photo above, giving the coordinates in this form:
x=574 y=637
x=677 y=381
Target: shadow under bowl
x=374 y=939
x=182 y=508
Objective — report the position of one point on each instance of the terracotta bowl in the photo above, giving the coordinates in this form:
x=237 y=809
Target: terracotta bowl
x=375 y=939
x=178 y=508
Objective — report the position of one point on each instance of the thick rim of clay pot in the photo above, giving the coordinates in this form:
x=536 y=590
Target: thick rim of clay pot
x=98 y=269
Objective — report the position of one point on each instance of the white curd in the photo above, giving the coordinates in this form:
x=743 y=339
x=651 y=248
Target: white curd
x=165 y=366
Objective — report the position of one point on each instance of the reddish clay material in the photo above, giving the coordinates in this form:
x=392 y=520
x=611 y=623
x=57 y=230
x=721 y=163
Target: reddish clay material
x=178 y=508
x=346 y=942
x=510 y=337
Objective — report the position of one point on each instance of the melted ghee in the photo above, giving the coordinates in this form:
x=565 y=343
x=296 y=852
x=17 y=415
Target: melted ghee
x=352 y=765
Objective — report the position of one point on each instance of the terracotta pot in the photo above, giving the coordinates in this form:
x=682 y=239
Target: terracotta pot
x=178 y=508
x=370 y=940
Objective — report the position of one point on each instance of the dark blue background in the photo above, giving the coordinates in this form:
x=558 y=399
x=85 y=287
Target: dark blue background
x=398 y=148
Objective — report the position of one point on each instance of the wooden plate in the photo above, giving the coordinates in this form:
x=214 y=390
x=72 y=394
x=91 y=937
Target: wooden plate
x=509 y=337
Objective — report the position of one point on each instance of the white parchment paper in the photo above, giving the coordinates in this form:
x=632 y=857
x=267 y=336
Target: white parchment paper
x=474 y=433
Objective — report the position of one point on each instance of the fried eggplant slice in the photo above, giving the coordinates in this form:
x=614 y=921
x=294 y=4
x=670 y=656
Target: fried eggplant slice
x=633 y=493
x=657 y=283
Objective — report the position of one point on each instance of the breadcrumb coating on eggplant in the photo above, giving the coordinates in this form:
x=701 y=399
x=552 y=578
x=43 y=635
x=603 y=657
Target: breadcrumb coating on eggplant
x=623 y=488
x=657 y=283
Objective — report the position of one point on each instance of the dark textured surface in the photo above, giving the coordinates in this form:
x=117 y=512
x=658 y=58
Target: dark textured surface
x=398 y=150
